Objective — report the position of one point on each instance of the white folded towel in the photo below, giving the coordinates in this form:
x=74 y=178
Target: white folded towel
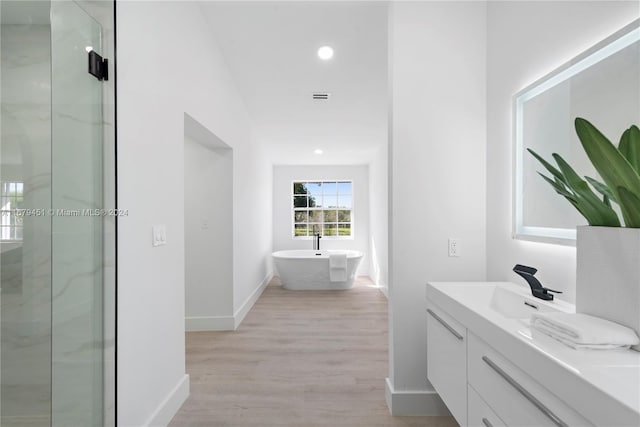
x=579 y=330
x=338 y=260
x=337 y=267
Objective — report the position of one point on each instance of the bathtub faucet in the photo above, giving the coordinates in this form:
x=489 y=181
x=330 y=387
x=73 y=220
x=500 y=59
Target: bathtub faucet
x=316 y=241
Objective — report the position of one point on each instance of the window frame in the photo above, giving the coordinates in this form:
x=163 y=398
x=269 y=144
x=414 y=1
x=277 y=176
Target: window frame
x=323 y=182
x=8 y=214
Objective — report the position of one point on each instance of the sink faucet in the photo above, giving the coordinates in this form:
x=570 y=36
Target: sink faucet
x=316 y=241
x=537 y=290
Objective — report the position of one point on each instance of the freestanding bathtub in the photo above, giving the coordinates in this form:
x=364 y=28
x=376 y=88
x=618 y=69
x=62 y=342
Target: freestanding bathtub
x=304 y=269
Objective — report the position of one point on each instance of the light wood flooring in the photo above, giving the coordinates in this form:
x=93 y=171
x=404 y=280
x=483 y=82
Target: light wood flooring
x=299 y=359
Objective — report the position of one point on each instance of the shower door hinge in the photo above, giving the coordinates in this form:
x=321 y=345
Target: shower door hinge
x=98 y=66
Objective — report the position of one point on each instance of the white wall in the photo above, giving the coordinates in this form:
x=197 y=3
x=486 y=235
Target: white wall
x=283 y=176
x=379 y=219
x=519 y=52
x=437 y=166
x=168 y=65
x=252 y=229
x=208 y=224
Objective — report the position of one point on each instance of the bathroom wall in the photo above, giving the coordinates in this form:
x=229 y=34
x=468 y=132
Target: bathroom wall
x=208 y=224
x=519 y=52
x=283 y=176
x=379 y=219
x=437 y=169
x=169 y=65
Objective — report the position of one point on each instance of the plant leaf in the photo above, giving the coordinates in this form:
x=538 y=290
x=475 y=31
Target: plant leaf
x=559 y=187
x=632 y=204
x=581 y=206
x=596 y=211
x=548 y=166
x=629 y=146
x=601 y=188
x=612 y=166
x=572 y=178
x=563 y=191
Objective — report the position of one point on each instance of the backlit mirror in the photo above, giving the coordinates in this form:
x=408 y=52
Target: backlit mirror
x=601 y=85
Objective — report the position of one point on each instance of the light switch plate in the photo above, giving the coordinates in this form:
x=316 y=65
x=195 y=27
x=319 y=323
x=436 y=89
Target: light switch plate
x=159 y=235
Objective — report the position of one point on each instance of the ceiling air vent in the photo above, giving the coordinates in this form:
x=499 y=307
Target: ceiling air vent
x=321 y=96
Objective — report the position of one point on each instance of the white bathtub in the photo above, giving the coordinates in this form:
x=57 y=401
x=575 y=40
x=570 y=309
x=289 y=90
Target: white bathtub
x=309 y=269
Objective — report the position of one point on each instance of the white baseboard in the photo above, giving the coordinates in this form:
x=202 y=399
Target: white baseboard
x=169 y=407
x=227 y=323
x=246 y=306
x=413 y=403
x=383 y=288
x=209 y=323
x=385 y=291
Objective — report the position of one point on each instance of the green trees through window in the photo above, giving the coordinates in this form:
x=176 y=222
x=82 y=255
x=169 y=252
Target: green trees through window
x=323 y=207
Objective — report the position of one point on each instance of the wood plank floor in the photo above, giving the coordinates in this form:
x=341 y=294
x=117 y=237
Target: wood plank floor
x=299 y=359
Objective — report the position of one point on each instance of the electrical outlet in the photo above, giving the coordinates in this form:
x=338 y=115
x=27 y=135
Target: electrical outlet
x=454 y=247
x=159 y=235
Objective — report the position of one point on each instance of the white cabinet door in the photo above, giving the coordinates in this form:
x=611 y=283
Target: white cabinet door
x=447 y=361
x=514 y=396
x=479 y=413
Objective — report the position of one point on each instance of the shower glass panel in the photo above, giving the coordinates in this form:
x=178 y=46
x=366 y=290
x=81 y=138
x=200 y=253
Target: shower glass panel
x=25 y=262
x=76 y=169
x=52 y=168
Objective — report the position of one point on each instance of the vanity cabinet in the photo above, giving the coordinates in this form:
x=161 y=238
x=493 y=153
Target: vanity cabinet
x=491 y=368
x=447 y=361
x=481 y=387
x=480 y=414
x=515 y=397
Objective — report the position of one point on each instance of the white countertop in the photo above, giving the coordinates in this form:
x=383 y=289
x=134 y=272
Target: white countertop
x=596 y=383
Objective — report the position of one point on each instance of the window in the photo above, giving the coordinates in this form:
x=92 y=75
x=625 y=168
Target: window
x=323 y=207
x=10 y=200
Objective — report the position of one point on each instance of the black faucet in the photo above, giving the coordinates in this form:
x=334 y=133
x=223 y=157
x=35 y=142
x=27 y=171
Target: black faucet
x=316 y=241
x=537 y=290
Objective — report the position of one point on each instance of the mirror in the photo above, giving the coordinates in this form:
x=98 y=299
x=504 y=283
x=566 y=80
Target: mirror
x=601 y=85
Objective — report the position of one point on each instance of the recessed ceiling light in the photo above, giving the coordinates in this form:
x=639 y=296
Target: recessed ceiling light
x=325 y=53
x=318 y=151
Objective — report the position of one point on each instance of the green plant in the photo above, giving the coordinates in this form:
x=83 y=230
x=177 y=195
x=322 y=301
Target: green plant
x=619 y=168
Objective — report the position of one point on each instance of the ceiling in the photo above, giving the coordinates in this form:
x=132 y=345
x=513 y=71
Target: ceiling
x=270 y=48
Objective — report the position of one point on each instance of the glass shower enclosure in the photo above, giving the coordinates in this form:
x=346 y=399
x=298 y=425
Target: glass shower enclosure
x=57 y=245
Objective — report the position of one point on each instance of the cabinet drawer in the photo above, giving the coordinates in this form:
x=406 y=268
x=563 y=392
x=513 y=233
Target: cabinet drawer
x=514 y=396
x=447 y=360
x=479 y=413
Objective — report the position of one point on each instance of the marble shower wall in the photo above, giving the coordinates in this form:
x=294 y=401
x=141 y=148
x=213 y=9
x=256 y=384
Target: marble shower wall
x=25 y=310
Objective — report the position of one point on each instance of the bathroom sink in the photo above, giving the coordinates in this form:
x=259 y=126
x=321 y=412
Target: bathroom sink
x=500 y=301
x=515 y=304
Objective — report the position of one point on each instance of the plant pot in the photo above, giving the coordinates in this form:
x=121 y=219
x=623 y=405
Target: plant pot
x=608 y=274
